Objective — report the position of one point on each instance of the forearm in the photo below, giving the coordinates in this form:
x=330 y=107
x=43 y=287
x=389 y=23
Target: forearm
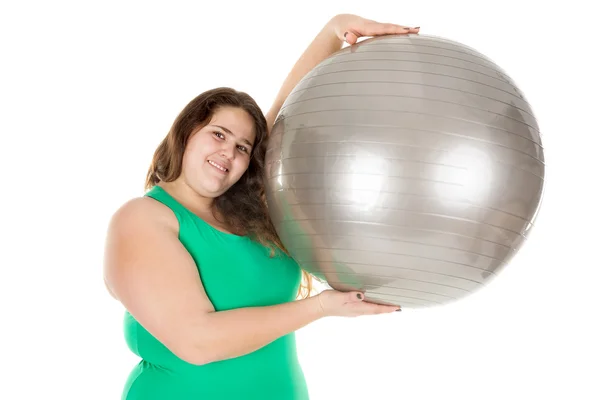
x=234 y=333
x=323 y=45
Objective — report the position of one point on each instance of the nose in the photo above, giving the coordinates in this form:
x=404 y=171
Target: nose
x=228 y=150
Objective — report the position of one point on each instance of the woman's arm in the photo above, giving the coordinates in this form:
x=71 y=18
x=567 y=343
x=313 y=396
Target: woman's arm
x=151 y=273
x=342 y=27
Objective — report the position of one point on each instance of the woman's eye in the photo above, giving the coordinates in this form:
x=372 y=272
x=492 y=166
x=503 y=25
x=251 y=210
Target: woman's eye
x=222 y=136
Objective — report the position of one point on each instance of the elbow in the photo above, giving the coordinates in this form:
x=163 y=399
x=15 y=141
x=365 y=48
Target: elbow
x=197 y=359
x=200 y=345
x=193 y=354
x=198 y=351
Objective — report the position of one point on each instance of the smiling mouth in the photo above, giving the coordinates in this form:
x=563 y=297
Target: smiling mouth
x=217 y=166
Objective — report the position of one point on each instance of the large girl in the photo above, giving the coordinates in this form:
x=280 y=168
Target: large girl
x=210 y=293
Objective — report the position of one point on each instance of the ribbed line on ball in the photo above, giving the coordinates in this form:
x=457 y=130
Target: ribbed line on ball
x=306 y=89
x=398 y=278
x=299 y=194
x=409 y=211
x=311 y=185
x=419 y=229
x=314 y=247
x=285 y=117
x=277 y=132
x=422 y=42
x=351 y=66
x=365 y=98
x=338 y=156
x=320 y=232
x=328 y=236
x=378 y=72
x=356 y=57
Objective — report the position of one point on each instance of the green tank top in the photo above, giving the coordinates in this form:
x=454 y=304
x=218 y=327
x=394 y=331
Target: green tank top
x=236 y=272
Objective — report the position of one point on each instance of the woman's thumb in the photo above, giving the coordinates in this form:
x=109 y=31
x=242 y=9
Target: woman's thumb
x=356 y=296
x=350 y=37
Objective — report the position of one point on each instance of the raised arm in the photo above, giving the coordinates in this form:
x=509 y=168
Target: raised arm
x=342 y=27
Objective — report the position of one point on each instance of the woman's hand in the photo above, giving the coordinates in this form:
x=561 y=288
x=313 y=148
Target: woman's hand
x=333 y=303
x=349 y=28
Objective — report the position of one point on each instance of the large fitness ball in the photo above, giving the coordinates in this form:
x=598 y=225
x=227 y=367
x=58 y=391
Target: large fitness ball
x=409 y=167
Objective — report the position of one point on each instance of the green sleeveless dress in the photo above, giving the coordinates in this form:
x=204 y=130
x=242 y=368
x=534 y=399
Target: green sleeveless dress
x=236 y=272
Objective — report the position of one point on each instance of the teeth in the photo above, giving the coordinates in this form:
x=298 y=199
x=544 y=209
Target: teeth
x=218 y=166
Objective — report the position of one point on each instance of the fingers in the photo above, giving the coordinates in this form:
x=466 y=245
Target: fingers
x=375 y=309
x=373 y=28
x=351 y=37
x=355 y=304
x=356 y=296
x=366 y=308
x=382 y=309
x=383 y=29
x=389 y=29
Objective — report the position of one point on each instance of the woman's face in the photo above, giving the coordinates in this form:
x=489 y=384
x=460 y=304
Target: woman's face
x=217 y=155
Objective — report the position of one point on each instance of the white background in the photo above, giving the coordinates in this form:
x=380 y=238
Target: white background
x=88 y=90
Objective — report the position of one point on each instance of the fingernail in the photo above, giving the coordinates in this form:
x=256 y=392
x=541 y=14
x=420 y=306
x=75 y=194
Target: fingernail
x=359 y=296
x=345 y=33
x=399 y=310
x=407 y=29
x=417 y=27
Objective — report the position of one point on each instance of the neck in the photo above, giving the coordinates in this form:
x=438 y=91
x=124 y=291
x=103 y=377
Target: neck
x=185 y=195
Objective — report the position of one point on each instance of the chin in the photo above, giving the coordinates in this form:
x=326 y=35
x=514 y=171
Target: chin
x=214 y=191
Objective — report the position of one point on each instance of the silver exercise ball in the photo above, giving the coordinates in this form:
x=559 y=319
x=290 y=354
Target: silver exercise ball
x=407 y=167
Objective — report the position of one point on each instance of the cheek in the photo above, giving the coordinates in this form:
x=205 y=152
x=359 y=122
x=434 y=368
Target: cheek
x=242 y=166
x=192 y=160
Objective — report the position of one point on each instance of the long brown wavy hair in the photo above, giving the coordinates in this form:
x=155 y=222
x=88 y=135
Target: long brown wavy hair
x=243 y=205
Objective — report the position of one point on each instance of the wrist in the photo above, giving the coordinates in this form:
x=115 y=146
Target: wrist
x=333 y=27
x=316 y=305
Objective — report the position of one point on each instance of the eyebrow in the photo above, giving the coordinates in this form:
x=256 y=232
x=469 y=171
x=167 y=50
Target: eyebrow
x=231 y=133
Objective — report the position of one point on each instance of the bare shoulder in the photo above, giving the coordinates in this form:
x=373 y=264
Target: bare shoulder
x=143 y=212
x=130 y=220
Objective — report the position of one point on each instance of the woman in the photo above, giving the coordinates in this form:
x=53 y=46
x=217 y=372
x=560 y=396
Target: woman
x=209 y=290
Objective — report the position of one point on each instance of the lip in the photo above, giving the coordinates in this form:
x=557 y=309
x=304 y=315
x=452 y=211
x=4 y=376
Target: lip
x=220 y=165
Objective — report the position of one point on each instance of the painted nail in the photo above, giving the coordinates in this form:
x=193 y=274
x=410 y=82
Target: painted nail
x=399 y=310
x=345 y=33
x=359 y=296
